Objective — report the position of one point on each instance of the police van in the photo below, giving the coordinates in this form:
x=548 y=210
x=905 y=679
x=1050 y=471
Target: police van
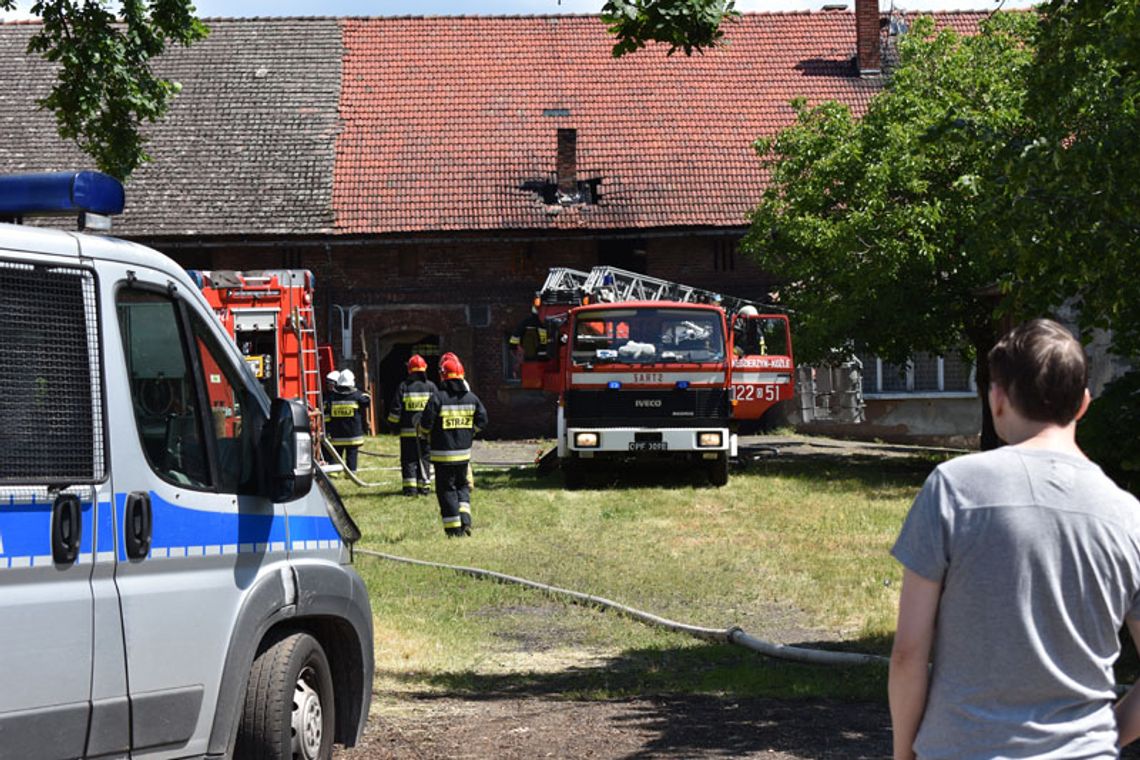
x=175 y=576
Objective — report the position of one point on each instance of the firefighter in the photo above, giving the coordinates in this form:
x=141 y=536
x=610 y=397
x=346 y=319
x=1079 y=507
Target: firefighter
x=345 y=419
x=451 y=418
x=541 y=348
x=411 y=398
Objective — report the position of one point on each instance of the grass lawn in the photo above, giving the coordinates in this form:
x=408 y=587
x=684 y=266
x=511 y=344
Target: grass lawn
x=794 y=549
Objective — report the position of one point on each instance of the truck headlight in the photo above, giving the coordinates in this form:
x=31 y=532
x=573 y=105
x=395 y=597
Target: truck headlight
x=710 y=439
x=586 y=440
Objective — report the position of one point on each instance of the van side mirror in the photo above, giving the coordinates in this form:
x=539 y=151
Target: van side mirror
x=287 y=449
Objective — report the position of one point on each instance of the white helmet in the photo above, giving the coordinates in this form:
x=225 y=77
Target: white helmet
x=332 y=377
x=748 y=311
x=346 y=379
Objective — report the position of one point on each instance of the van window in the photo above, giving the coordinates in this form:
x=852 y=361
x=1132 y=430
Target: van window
x=229 y=406
x=163 y=393
x=190 y=402
x=51 y=407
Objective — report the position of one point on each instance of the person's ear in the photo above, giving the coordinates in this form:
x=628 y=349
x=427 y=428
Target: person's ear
x=1084 y=405
x=997 y=399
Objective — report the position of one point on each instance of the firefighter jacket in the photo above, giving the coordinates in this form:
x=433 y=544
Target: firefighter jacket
x=344 y=417
x=541 y=349
x=411 y=398
x=451 y=419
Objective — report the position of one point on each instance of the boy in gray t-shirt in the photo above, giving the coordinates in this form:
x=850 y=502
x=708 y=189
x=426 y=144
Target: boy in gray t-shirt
x=1020 y=566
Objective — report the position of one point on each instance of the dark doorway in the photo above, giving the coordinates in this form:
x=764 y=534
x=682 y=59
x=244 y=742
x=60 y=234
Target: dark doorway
x=393 y=368
x=624 y=253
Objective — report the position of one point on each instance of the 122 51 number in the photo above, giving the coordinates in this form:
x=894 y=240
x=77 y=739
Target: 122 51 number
x=743 y=392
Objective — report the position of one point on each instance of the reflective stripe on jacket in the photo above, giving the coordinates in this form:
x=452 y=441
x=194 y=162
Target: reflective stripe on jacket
x=451 y=419
x=344 y=417
x=411 y=398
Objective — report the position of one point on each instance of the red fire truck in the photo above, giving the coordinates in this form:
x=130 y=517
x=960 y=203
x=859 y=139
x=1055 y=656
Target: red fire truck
x=646 y=368
x=270 y=316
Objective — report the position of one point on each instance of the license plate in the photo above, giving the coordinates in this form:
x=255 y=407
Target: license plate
x=648 y=446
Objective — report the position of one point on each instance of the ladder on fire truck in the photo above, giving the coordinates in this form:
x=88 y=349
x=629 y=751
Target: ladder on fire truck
x=606 y=284
x=305 y=325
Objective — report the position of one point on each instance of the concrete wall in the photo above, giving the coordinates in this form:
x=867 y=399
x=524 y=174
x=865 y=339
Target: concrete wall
x=938 y=421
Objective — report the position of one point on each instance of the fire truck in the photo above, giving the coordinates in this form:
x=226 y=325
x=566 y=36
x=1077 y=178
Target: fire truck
x=270 y=316
x=649 y=369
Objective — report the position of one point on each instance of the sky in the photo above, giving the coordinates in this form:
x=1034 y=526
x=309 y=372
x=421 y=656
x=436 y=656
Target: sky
x=232 y=8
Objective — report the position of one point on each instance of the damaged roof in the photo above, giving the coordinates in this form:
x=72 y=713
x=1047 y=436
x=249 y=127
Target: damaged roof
x=387 y=126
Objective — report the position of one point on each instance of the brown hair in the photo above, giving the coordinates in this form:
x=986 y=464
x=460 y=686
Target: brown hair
x=1043 y=370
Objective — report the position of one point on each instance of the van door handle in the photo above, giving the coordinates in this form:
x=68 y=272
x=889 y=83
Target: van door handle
x=66 y=528
x=137 y=525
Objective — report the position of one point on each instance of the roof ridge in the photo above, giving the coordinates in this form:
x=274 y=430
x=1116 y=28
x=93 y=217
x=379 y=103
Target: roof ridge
x=517 y=16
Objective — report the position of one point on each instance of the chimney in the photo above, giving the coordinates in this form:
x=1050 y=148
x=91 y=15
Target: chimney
x=566 y=163
x=867 y=26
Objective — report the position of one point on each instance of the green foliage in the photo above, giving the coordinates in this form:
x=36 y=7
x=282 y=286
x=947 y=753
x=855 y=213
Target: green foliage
x=682 y=24
x=105 y=88
x=1107 y=433
x=874 y=225
x=1074 y=194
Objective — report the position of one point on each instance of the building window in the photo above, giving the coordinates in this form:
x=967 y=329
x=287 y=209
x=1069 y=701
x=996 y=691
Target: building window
x=724 y=255
x=512 y=361
x=922 y=375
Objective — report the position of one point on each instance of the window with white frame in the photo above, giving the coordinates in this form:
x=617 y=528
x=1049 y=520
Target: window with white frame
x=924 y=374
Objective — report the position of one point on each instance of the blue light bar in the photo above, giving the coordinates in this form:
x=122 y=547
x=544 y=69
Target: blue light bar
x=614 y=385
x=682 y=385
x=60 y=193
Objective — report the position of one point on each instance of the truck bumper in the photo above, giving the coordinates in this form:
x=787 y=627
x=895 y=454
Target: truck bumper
x=627 y=441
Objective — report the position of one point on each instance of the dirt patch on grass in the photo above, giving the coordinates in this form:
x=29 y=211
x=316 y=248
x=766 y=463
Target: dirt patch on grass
x=682 y=726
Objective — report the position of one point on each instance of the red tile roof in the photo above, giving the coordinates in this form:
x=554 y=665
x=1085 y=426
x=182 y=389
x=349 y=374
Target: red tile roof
x=444 y=119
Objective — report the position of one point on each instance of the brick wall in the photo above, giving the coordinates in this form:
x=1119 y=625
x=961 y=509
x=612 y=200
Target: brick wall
x=471 y=294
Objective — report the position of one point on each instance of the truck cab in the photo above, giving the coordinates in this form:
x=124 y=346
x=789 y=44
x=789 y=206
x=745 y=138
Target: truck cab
x=645 y=379
x=175 y=575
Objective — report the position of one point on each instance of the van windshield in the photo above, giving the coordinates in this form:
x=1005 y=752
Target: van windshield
x=648 y=336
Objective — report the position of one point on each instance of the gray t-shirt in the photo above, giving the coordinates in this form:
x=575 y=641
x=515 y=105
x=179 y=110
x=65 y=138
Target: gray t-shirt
x=1039 y=556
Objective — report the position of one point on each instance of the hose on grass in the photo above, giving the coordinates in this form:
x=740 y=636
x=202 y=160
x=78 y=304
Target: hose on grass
x=332 y=452
x=733 y=635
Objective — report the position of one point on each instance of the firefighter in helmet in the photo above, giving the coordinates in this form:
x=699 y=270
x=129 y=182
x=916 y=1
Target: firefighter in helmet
x=451 y=419
x=411 y=398
x=345 y=420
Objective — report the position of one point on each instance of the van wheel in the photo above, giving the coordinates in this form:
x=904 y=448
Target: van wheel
x=718 y=470
x=289 y=710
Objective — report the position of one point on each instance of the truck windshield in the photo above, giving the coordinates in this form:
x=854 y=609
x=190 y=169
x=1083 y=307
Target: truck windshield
x=648 y=335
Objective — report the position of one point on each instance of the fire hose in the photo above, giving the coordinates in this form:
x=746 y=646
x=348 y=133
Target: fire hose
x=732 y=635
x=332 y=452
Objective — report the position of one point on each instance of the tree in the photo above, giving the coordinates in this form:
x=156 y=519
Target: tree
x=106 y=89
x=1074 y=194
x=877 y=227
x=688 y=25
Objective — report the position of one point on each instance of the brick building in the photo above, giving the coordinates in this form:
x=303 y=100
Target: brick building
x=430 y=170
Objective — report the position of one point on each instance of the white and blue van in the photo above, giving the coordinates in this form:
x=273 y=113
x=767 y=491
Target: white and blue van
x=172 y=584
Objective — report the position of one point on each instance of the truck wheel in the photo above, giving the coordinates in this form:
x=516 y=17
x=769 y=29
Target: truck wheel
x=718 y=470
x=572 y=474
x=289 y=710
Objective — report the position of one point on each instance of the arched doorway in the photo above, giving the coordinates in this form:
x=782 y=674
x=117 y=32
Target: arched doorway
x=394 y=349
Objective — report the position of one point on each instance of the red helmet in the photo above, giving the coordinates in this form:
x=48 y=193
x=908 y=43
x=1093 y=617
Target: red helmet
x=417 y=364
x=450 y=368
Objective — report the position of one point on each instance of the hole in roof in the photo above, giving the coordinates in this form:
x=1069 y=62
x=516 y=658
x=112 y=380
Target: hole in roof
x=556 y=112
